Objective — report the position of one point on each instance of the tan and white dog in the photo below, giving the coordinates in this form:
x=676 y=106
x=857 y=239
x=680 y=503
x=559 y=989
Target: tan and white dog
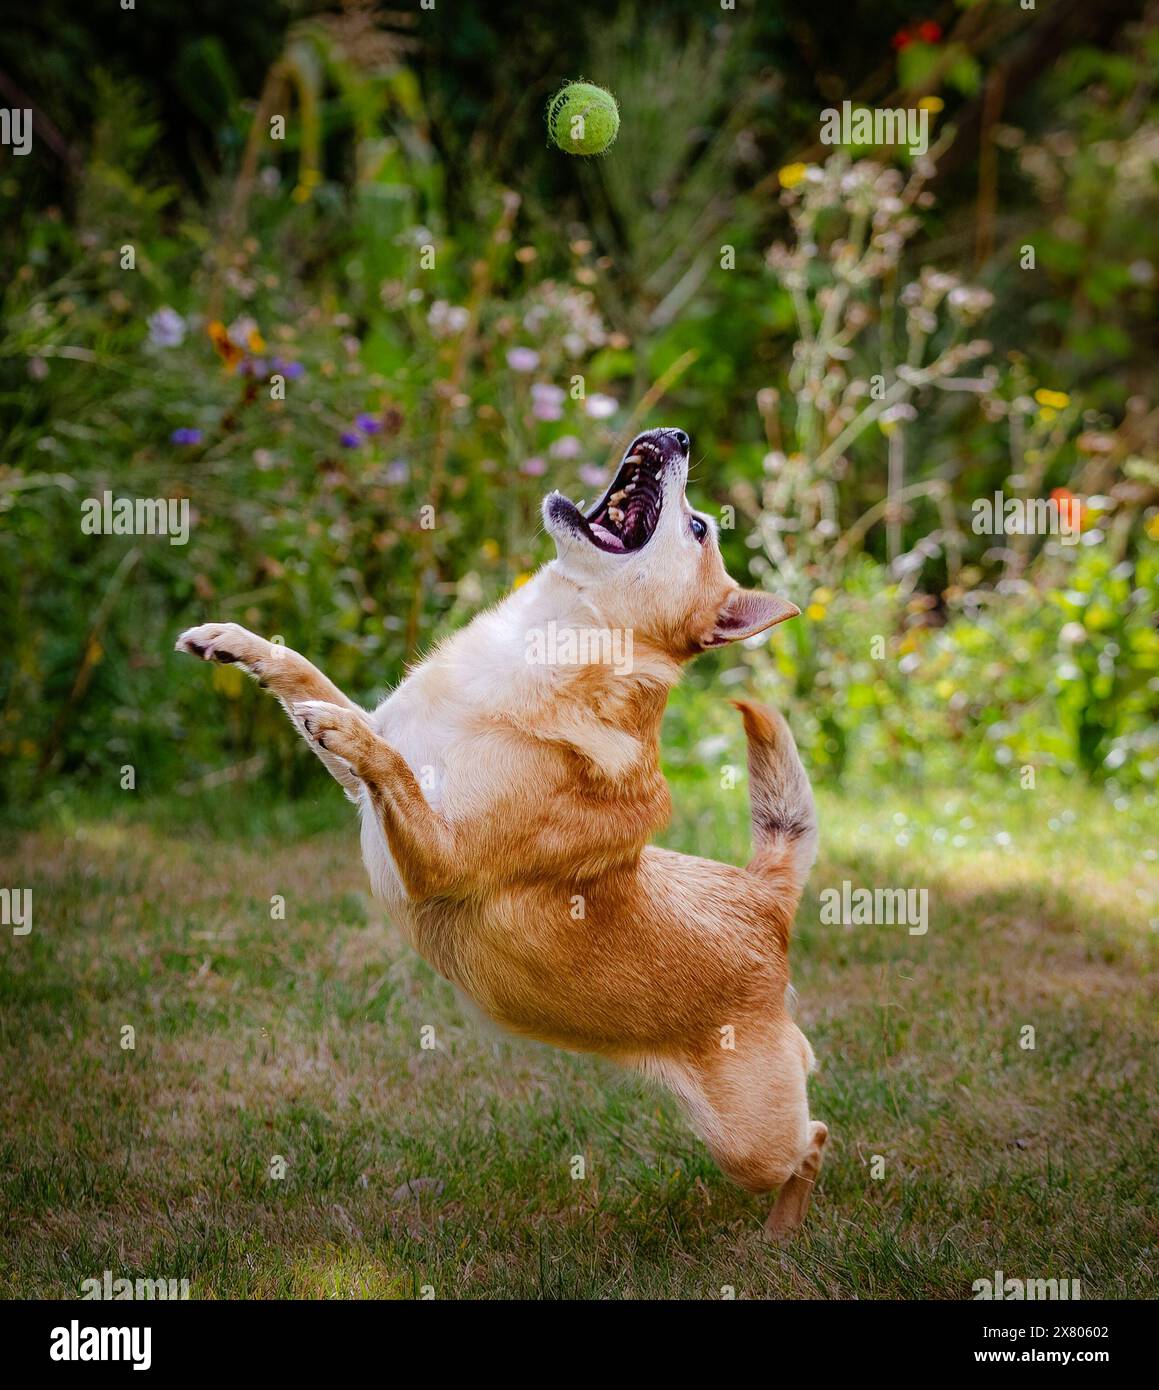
x=508 y=789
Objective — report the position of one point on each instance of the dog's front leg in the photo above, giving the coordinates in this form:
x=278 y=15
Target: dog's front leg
x=423 y=845
x=280 y=669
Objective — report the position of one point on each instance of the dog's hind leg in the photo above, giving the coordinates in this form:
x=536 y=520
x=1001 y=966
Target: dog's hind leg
x=750 y=1105
x=793 y=1199
x=280 y=669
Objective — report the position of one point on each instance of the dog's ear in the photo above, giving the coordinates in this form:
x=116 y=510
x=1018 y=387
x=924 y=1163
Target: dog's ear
x=745 y=613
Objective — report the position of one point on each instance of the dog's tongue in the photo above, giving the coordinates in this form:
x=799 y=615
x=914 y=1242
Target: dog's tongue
x=608 y=537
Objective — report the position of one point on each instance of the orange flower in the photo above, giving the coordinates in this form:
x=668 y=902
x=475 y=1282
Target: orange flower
x=225 y=347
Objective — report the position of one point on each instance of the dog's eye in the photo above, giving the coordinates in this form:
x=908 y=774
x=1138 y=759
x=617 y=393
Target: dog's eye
x=699 y=528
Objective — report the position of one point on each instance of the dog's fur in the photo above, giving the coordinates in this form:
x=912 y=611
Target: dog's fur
x=506 y=812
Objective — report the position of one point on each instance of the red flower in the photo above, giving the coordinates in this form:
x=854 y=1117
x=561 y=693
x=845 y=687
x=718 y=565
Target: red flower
x=1070 y=507
x=929 y=31
x=902 y=38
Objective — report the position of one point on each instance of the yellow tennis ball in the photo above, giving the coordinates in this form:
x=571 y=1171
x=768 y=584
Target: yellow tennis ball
x=583 y=118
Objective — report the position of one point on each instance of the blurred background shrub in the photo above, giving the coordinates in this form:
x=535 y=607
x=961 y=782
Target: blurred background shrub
x=363 y=352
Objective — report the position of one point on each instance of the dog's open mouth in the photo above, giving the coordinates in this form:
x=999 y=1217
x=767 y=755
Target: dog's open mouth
x=626 y=517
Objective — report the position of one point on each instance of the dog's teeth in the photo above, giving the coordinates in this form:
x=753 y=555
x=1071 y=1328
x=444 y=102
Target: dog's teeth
x=616 y=496
x=616 y=515
x=633 y=458
x=630 y=487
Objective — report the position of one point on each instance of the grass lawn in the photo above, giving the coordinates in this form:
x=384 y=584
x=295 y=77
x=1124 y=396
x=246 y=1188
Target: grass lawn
x=451 y=1166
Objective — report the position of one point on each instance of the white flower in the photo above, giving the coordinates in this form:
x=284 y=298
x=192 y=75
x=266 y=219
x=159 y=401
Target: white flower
x=969 y=302
x=940 y=282
x=447 y=320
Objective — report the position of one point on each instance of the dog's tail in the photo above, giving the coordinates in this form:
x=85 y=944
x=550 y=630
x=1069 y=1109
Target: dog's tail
x=784 y=819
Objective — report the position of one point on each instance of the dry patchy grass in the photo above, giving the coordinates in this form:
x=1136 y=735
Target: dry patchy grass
x=450 y=1167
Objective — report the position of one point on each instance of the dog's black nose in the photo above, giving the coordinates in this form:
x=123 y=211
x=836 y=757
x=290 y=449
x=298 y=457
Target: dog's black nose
x=683 y=440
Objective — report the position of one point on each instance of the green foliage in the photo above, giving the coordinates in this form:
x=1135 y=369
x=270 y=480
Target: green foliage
x=430 y=326
x=998 y=683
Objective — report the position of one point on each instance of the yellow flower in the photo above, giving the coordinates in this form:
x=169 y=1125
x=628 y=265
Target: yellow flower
x=944 y=689
x=521 y=579
x=228 y=680
x=1153 y=527
x=255 y=342
x=1056 y=400
x=934 y=104
x=490 y=549
x=822 y=595
x=815 y=612
x=1047 y=413
x=308 y=180
x=792 y=174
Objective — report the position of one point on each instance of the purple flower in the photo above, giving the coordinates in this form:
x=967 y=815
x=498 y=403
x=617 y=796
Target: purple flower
x=547 y=401
x=534 y=467
x=290 y=370
x=523 y=359
x=185 y=435
x=601 y=407
x=593 y=476
x=397 y=471
x=166 y=328
x=369 y=424
x=349 y=439
x=567 y=446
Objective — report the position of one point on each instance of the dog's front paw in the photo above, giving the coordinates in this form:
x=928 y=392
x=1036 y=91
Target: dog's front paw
x=224 y=642
x=335 y=729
